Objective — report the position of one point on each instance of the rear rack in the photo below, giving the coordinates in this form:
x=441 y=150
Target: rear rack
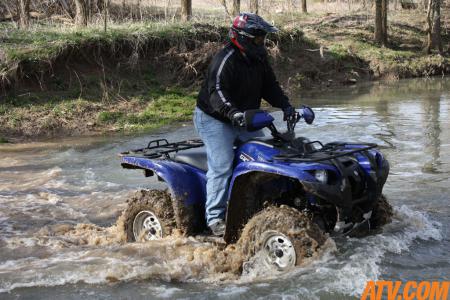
x=326 y=152
x=162 y=148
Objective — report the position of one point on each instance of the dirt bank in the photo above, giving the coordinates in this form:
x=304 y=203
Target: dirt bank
x=80 y=83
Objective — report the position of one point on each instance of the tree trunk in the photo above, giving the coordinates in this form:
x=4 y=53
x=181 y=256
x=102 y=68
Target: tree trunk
x=24 y=13
x=430 y=12
x=384 y=26
x=105 y=14
x=81 y=16
x=186 y=10
x=381 y=7
x=304 y=8
x=253 y=7
x=124 y=7
x=140 y=10
x=378 y=22
x=434 y=26
x=437 y=40
x=236 y=7
x=95 y=7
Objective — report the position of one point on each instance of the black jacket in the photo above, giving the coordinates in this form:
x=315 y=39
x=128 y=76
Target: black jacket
x=234 y=83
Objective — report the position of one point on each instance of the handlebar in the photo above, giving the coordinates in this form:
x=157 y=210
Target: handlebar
x=257 y=119
x=304 y=112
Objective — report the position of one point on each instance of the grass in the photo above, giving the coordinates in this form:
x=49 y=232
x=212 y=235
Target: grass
x=403 y=58
x=150 y=107
x=43 y=42
x=163 y=107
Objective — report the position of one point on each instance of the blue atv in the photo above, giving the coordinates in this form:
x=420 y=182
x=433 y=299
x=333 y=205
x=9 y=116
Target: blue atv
x=285 y=193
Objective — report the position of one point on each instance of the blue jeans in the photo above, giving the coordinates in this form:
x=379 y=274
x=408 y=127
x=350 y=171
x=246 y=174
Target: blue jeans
x=218 y=138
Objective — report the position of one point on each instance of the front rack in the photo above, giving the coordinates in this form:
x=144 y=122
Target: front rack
x=162 y=148
x=326 y=152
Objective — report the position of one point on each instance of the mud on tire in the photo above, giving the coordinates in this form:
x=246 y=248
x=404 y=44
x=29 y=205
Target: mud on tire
x=382 y=213
x=155 y=201
x=303 y=235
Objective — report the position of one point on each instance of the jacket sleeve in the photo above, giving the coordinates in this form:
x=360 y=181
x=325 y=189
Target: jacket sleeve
x=272 y=91
x=220 y=84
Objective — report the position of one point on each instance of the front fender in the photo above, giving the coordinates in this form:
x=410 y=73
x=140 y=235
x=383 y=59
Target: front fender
x=293 y=170
x=246 y=193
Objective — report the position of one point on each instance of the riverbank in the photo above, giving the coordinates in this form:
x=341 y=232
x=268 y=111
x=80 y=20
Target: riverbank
x=135 y=77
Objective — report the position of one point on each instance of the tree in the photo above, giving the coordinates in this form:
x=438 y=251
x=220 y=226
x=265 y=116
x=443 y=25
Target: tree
x=434 y=39
x=304 y=9
x=224 y=4
x=381 y=21
x=66 y=7
x=236 y=7
x=253 y=7
x=95 y=7
x=24 y=13
x=81 y=12
x=384 y=25
x=186 y=10
x=105 y=14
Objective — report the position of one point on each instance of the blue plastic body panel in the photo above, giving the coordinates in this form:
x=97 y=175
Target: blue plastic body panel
x=184 y=181
x=189 y=183
x=293 y=170
x=255 y=151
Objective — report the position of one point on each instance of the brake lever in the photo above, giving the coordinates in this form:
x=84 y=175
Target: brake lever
x=292 y=121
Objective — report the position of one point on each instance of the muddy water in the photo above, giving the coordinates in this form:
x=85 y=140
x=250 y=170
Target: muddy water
x=59 y=201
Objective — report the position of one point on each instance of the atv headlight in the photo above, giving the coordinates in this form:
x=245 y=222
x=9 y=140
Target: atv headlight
x=321 y=176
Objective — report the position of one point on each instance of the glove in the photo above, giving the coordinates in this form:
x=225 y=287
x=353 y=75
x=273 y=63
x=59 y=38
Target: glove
x=288 y=112
x=238 y=120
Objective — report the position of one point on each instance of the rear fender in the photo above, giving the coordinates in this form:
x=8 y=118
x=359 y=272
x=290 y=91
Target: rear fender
x=184 y=181
x=187 y=186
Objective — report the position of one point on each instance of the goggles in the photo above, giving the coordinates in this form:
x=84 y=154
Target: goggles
x=258 y=40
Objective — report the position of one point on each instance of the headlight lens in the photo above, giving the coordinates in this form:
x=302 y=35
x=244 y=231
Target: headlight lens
x=321 y=176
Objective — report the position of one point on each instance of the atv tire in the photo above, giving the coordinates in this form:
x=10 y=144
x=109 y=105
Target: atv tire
x=149 y=216
x=284 y=235
x=381 y=213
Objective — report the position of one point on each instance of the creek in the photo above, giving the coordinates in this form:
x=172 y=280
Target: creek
x=59 y=201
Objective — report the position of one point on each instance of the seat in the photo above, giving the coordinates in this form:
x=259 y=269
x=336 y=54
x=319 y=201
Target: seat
x=195 y=157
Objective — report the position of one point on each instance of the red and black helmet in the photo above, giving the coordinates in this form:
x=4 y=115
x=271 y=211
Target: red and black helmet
x=248 y=32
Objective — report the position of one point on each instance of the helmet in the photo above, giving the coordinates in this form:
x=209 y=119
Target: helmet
x=248 y=33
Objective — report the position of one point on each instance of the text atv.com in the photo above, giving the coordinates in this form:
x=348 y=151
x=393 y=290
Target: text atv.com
x=410 y=290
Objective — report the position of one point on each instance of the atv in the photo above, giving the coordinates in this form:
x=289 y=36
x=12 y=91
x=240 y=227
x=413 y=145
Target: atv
x=284 y=194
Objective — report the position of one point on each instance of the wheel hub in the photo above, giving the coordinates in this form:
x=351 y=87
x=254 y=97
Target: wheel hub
x=278 y=251
x=147 y=227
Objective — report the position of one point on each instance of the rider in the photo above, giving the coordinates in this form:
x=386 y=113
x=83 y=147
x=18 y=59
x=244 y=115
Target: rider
x=238 y=77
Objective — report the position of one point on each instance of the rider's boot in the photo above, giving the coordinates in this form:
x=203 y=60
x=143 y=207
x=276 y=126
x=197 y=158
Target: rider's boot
x=218 y=227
